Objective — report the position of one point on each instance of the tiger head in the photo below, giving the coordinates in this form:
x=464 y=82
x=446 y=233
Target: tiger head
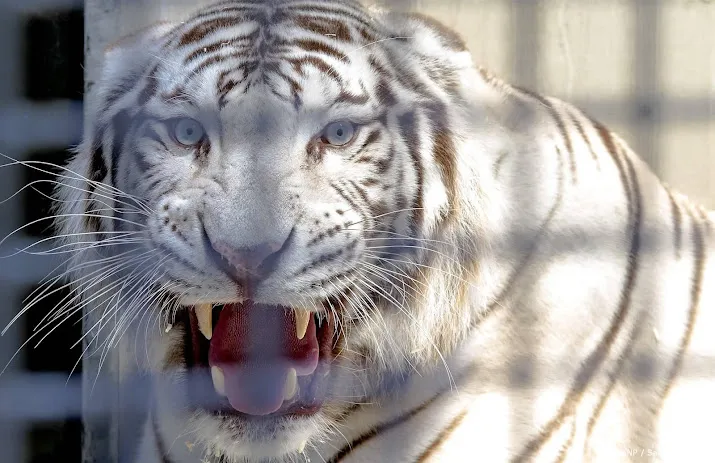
x=275 y=195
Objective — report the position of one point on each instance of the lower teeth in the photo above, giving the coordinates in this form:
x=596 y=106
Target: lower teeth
x=218 y=380
x=291 y=385
x=290 y=389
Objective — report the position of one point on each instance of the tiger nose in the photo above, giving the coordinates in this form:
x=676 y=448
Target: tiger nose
x=248 y=259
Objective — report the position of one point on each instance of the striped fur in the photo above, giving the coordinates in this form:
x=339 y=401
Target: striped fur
x=512 y=282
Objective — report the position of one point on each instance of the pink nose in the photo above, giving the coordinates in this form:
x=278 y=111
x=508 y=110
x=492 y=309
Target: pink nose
x=247 y=259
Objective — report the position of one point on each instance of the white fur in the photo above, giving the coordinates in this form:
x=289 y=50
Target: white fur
x=545 y=326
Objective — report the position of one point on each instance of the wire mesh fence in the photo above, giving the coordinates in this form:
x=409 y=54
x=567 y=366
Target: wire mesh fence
x=644 y=67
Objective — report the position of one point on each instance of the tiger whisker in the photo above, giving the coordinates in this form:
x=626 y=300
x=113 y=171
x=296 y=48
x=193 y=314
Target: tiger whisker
x=112 y=295
x=108 y=342
x=398 y=273
x=130 y=209
x=120 y=330
x=119 y=235
x=369 y=284
x=32 y=184
x=82 y=285
x=424 y=266
x=403 y=309
x=33 y=165
x=63 y=315
x=99 y=185
x=57 y=216
x=70 y=248
x=37 y=298
x=128 y=284
x=375 y=217
x=375 y=42
x=422 y=248
x=22 y=346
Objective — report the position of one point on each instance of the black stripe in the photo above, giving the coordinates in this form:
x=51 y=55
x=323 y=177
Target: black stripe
x=324 y=27
x=151 y=87
x=160 y=445
x=153 y=135
x=120 y=126
x=222 y=8
x=499 y=162
x=157 y=179
x=677 y=223
x=247 y=67
x=318 y=63
x=351 y=98
x=383 y=165
x=567 y=140
x=374 y=137
x=385 y=96
x=345 y=15
x=126 y=85
x=563 y=453
x=97 y=166
x=559 y=124
x=444 y=152
x=384 y=427
x=582 y=132
x=441 y=437
x=610 y=145
x=97 y=173
x=514 y=277
x=362 y=193
x=695 y=293
x=346 y=197
x=363 y=208
x=591 y=364
x=241 y=41
x=321 y=48
x=324 y=259
x=205 y=28
x=407 y=125
x=613 y=376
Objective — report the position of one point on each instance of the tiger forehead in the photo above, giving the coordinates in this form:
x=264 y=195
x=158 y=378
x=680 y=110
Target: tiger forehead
x=271 y=44
x=265 y=29
x=343 y=21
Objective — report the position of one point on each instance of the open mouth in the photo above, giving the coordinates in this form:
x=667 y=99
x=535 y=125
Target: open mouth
x=256 y=360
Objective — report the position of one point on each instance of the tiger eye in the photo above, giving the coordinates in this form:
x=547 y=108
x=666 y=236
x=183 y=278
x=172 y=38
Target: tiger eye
x=188 y=132
x=339 y=133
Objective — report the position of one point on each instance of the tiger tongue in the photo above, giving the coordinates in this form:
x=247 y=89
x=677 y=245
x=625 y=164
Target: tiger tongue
x=255 y=346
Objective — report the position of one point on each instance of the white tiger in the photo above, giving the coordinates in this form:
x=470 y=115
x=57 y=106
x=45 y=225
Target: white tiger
x=365 y=248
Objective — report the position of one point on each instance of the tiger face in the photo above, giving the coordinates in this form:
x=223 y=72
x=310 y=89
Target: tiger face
x=287 y=181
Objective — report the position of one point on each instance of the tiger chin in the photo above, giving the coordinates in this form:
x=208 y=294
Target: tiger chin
x=329 y=236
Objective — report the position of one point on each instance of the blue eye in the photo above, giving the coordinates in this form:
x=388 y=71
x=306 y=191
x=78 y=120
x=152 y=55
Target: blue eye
x=188 y=132
x=339 y=133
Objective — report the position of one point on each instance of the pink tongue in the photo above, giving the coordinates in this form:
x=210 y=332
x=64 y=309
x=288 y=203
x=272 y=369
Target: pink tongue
x=255 y=345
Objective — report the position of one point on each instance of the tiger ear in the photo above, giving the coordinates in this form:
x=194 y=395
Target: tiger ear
x=122 y=64
x=132 y=51
x=426 y=37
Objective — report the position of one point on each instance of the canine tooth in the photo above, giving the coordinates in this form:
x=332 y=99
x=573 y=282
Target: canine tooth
x=302 y=318
x=203 y=314
x=301 y=447
x=218 y=380
x=291 y=385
